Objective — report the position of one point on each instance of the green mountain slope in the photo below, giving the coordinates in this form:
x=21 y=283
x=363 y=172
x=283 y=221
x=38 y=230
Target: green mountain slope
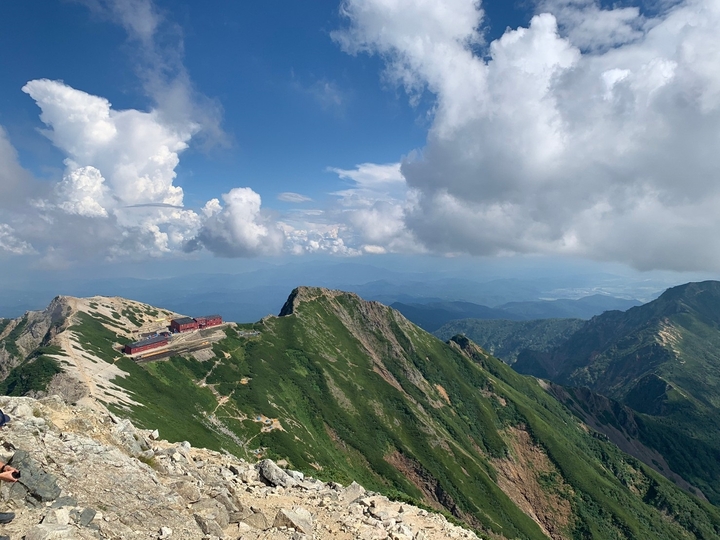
x=661 y=359
x=505 y=339
x=350 y=390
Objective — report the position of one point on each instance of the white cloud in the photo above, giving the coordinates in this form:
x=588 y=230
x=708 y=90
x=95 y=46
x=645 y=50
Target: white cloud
x=590 y=27
x=239 y=229
x=10 y=243
x=134 y=151
x=120 y=165
x=373 y=208
x=117 y=197
x=291 y=197
x=367 y=216
x=317 y=238
x=83 y=191
x=372 y=174
x=598 y=138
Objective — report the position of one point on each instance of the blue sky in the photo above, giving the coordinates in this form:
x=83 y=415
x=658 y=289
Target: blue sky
x=168 y=132
x=293 y=103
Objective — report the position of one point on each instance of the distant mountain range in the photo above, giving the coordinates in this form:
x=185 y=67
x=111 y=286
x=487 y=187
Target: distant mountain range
x=432 y=315
x=248 y=295
x=346 y=389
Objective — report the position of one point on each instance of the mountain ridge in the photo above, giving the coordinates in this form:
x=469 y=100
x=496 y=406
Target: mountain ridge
x=351 y=390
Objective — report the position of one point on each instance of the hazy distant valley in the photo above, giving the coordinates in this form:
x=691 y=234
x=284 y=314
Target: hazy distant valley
x=261 y=290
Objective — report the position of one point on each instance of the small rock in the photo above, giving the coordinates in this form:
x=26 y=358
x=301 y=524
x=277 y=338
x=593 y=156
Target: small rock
x=22 y=410
x=208 y=526
x=297 y=475
x=223 y=499
x=351 y=493
x=188 y=490
x=58 y=516
x=165 y=532
x=38 y=484
x=212 y=509
x=239 y=516
x=64 y=501
x=86 y=517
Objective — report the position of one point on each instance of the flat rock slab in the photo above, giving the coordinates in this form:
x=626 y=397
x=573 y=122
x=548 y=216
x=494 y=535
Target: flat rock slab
x=298 y=519
x=37 y=484
x=50 y=532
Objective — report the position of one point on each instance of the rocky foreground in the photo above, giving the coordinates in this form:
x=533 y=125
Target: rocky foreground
x=88 y=474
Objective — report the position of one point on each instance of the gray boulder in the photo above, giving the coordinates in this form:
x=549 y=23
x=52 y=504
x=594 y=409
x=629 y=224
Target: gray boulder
x=274 y=474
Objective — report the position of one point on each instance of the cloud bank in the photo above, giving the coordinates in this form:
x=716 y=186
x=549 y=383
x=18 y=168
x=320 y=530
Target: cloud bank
x=592 y=132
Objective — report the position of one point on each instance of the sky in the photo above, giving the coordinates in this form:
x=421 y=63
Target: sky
x=219 y=133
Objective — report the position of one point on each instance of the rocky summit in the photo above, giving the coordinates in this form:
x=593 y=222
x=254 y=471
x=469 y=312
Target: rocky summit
x=88 y=474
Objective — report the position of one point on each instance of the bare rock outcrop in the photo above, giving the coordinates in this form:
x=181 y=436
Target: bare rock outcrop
x=88 y=474
x=30 y=331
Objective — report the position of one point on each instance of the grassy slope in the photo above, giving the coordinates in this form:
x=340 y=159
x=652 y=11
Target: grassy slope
x=608 y=510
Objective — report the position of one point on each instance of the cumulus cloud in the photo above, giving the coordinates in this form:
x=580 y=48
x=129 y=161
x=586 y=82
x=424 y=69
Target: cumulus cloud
x=117 y=197
x=239 y=228
x=591 y=132
x=366 y=216
x=120 y=165
x=136 y=152
x=83 y=191
x=317 y=237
